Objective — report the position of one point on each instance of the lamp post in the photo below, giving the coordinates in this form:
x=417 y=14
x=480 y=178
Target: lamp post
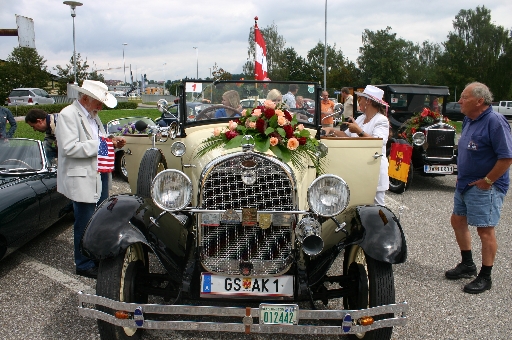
x=325 y=49
x=197 y=61
x=163 y=67
x=124 y=64
x=73 y=5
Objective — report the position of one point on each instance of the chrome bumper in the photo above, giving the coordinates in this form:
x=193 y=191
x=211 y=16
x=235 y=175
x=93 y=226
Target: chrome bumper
x=348 y=319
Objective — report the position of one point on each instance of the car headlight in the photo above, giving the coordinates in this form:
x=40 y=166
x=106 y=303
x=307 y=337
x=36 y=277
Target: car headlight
x=328 y=195
x=178 y=149
x=418 y=138
x=171 y=190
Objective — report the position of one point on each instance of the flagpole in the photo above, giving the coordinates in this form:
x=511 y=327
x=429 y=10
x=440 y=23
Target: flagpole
x=325 y=49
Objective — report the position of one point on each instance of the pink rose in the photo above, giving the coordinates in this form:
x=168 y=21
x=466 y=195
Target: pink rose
x=232 y=125
x=252 y=125
x=274 y=141
x=216 y=132
x=269 y=104
x=293 y=144
x=281 y=121
x=244 y=111
x=256 y=112
x=300 y=127
x=279 y=113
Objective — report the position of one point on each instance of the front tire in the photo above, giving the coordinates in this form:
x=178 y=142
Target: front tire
x=374 y=286
x=117 y=281
x=151 y=164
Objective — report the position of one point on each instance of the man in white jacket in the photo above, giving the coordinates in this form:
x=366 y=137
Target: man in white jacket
x=78 y=133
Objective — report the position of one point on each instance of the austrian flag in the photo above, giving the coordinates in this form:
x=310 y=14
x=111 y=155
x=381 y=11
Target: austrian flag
x=106 y=155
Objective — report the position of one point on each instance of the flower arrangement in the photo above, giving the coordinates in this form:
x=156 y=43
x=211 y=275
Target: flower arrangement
x=420 y=119
x=129 y=129
x=272 y=127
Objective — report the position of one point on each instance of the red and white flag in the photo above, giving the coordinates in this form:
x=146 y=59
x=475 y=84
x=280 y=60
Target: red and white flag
x=106 y=155
x=260 y=61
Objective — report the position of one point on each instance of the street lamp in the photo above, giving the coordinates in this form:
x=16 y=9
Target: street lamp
x=197 y=61
x=73 y=5
x=124 y=64
x=325 y=49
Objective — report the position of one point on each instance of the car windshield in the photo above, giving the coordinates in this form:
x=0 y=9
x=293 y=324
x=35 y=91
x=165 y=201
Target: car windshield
x=227 y=99
x=18 y=155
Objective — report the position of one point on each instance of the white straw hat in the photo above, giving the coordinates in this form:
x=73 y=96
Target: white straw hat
x=373 y=93
x=99 y=91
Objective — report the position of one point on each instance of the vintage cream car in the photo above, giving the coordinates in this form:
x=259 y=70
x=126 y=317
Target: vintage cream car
x=250 y=223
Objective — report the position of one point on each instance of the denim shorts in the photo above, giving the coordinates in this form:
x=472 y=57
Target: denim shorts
x=482 y=208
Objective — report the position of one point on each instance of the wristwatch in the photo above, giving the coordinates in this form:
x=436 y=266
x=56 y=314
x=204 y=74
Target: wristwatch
x=488 y=181
x=361 y=134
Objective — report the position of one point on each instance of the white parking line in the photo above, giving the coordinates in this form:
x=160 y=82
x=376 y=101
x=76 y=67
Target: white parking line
x=395 y=203
x=56 y=275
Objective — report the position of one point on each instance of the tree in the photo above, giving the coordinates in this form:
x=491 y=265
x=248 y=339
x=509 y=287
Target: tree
x=218 y=73
x=275 y=45
x=476 y=50
x=66 y=74
x=340 y=71
x=386 y=59
x=94 y=75
x=24 y=68
x=292 y=67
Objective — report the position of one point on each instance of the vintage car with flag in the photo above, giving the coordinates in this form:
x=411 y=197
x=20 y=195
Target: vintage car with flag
x=252 y=223
x=421 y=140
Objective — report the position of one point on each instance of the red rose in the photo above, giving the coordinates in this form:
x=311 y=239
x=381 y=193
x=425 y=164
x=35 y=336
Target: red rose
x=425 y=112
x=287 y=115
x=413 y=130
x=231 y=134
x=302 y=140
x=261 y=125
x=269 y=113
x=289 y=131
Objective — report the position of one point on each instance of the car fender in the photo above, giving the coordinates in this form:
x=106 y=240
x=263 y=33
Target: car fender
x=114 y=226
x=126 y=219
x=383 y=238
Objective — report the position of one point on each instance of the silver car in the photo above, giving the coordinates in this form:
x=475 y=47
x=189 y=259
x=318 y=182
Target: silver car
x=29 y=96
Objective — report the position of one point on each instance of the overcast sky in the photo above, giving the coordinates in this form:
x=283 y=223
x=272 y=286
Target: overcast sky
x=162 y=32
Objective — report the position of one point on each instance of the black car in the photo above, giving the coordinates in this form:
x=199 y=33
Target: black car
x=453 y=112
x=29 y=201
x=434 y=151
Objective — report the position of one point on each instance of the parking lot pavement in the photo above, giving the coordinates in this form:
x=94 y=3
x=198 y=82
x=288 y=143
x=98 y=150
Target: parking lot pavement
x=38 y=298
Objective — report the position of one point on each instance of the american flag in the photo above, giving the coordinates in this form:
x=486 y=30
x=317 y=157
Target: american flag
x=106 y=155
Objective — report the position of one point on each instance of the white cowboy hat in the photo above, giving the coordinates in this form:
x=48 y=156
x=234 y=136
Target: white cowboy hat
x=99 y=91
x=373 y=93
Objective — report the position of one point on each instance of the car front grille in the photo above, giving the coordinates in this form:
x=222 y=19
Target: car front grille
x=440 y=142
x=228 y=247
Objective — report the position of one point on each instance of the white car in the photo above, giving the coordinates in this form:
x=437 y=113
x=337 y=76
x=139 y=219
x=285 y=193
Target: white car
x=29 y=96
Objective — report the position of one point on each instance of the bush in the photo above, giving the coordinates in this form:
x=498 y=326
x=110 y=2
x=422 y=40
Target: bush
x=22 y=110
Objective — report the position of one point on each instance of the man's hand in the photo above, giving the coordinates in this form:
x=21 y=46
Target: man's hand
x=118 y=142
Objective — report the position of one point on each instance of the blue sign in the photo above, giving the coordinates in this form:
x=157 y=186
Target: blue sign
x=337 y=92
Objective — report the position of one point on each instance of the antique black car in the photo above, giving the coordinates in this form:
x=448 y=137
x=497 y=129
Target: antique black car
x=251 y=223
x=29 y=201
x=433 y=140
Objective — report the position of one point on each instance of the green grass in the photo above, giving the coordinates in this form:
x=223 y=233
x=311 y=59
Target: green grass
x=25 y=131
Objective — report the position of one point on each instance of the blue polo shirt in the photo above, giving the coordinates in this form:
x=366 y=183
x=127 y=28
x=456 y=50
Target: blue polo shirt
x=482 y=142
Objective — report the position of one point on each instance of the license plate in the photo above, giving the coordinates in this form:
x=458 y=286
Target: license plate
x=271 y=314
x=217 y=285
x=18 y=100
x=439 y=169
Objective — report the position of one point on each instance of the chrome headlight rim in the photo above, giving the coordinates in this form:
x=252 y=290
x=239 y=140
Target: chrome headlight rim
x=186 y=189
x=346 y=199
x=418 y=138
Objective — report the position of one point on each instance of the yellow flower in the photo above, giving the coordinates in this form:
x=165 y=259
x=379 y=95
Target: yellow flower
x=293 y=144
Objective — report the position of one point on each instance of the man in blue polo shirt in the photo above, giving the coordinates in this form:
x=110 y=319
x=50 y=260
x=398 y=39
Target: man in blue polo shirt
x=483 y=162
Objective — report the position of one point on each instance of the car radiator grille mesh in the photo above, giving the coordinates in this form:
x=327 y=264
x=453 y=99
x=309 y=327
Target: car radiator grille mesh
x=228 y=247
x=440 y=143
